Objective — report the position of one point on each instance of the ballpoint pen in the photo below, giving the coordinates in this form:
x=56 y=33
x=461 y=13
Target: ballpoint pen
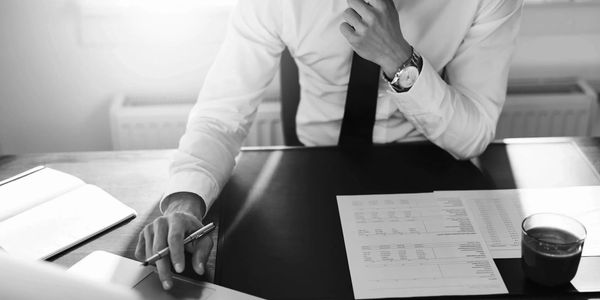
x=195 y=235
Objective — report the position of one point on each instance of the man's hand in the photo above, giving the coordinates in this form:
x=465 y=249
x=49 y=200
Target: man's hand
x=182 y=216
x=373 y=30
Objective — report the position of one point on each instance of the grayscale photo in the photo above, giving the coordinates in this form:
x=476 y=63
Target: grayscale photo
x=299 y=149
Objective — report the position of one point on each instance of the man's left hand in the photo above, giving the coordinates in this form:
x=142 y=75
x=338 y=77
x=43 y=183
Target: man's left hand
x=373 y=30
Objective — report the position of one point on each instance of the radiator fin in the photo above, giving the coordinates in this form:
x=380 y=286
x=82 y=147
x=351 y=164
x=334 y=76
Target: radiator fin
x=159 y=124
x=546 y=109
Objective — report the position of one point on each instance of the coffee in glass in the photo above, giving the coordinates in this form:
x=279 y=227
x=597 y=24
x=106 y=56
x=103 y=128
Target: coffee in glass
x=551 y=247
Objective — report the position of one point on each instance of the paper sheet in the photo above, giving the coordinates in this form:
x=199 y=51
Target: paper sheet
x=408 y=245
x=20 y=195
x=499 y=213
x=56 y=225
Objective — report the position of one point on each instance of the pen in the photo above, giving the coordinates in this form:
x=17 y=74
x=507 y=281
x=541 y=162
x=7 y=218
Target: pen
x=195 y=235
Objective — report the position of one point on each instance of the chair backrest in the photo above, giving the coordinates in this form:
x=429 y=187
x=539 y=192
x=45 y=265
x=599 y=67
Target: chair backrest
x=290 y=98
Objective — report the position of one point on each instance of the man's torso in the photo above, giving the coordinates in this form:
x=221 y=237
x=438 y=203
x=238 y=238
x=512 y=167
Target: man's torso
x=311 y=32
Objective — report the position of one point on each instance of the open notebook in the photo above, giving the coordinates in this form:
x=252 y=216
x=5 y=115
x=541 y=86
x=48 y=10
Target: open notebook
x=45 y=211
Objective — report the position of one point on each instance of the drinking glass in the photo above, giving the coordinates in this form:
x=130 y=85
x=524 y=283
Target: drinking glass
x=551 y=246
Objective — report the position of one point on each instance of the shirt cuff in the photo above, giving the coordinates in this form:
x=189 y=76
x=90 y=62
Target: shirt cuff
x=196 y=182
x=422 y=104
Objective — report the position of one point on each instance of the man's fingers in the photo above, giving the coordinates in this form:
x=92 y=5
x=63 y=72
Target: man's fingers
x=380 y=5
x=149 y=238
x=140 y=253
x=167 y=231
x=348 y=32
x=163 y=266
x=201 y=250
x=175 y=240
x=160 y=242
x=353 y=19
x=363 y=9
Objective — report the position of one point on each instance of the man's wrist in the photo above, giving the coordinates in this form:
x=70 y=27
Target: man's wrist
x=390 y=70
x=396 y=59
x=185 y=202
x=407 y=74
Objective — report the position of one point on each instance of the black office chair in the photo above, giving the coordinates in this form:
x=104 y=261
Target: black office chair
x=290 y=98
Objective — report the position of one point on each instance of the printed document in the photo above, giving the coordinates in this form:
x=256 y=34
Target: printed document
x=499 y=213
x=408 y=245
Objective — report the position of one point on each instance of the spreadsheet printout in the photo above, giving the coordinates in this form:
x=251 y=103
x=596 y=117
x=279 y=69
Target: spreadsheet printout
x=407 y=245
x=499 y=213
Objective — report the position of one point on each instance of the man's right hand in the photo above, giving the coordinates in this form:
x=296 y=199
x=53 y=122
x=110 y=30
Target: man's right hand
x=182 y=216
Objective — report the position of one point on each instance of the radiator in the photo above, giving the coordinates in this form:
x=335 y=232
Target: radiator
x=549 y=108
x=560 y=108
x=159 y=123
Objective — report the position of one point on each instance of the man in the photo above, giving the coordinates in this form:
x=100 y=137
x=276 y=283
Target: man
x=444 y=67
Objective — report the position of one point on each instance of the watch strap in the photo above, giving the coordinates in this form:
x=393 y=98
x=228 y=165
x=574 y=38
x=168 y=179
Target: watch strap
x=415 y=60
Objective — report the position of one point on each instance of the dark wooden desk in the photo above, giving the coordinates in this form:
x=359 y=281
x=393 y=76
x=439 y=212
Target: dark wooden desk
x=281 y=237
x=265 y=187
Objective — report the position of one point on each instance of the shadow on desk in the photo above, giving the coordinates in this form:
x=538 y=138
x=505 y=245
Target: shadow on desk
x=281 y=236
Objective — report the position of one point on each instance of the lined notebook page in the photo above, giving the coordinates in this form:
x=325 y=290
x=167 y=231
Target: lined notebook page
x=26 y=192
x=56 y=225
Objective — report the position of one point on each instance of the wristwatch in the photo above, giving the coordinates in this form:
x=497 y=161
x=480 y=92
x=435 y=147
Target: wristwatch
x=407 y=74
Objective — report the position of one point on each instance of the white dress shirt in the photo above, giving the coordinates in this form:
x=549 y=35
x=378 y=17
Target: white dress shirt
x=472 y=40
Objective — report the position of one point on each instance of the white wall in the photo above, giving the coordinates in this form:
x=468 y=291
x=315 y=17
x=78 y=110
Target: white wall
x=559 y=40
x=61 y=61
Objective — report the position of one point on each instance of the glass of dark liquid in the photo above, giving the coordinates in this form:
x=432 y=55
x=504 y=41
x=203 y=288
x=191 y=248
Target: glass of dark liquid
x=551 y=246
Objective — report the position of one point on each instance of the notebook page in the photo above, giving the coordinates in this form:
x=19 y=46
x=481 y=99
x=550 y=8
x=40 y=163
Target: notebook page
x=58 y=224
x=24 y=193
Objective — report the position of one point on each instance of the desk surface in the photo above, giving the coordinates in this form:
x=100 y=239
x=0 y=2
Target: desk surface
x=137 y=178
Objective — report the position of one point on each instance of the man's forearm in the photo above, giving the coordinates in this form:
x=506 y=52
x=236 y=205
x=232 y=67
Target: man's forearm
x=459 y=112
x=233 y=88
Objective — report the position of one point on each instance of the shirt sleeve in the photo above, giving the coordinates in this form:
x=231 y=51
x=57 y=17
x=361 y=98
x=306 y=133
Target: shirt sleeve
x=460 y=114
x=218 y=124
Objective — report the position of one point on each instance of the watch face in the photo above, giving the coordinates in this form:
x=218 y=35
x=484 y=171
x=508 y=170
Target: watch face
x=408 y=76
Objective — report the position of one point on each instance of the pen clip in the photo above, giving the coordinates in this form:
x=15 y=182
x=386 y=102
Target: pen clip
x=208 y=228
